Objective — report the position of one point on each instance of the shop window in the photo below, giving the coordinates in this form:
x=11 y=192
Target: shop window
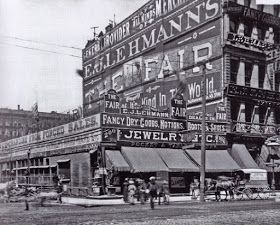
x=276 y=10
x=233 y=25
x=262 y=113
x=261 y=33
x=247 y=3
x=234 y=65
x=234 y=110
x=64 y=169
x=261 y=75
x=248 y=29
x=248 y=73
x=47 y=162
x=277 y=115
x=277 y=81
x=277 y=37
x=248 y=112
x=260 y=7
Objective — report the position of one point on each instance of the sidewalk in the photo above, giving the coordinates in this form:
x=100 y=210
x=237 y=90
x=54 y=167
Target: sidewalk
x=118 y=200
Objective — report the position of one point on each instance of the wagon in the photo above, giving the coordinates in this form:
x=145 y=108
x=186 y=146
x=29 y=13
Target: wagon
x=251 y=184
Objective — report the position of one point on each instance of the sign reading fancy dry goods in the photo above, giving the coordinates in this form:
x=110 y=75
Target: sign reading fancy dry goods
x=130 y=121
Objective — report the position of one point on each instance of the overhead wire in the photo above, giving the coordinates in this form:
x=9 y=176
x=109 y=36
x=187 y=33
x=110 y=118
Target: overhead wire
x=40 y=42
x=40 y=49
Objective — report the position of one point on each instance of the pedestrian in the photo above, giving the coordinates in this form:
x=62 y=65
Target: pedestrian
x=142 y=190
x=194 y=188
x=166 y=192
x=125 y=190
x=55 y=181
x=59 y=191
x=153 y=191
x=131 y=192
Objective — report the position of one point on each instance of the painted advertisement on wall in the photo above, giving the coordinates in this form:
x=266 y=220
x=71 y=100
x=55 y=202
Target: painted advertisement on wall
x=144 y=69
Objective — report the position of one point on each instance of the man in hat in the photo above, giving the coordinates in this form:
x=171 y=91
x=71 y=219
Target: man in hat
x=131 y=191
x=166 y=192
x=153 y=190
x=142 y=189
x=125 y=190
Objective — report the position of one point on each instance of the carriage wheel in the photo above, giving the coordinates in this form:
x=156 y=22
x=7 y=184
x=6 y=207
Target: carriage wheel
x=249 y=193
x=239 y=194
x=265 y=193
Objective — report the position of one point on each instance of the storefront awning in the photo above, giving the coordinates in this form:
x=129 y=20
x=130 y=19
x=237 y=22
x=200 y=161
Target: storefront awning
x=242 y=157
x=216 y=160
x=143 y=159
x=117 y=161
x=177 y=161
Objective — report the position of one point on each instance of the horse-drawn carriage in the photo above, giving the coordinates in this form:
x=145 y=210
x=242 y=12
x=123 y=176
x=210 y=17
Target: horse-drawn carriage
x=247 y=184
x=251 y=184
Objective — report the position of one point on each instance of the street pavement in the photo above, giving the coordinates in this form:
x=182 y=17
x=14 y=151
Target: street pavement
x=254 y=212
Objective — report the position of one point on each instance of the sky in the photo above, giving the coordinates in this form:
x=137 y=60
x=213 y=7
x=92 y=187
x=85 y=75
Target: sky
x=34 y=67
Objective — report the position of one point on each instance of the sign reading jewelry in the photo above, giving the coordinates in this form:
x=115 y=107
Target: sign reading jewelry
x=149 y=136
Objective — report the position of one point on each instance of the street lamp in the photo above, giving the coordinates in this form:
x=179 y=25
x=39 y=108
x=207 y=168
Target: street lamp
x=273 y=155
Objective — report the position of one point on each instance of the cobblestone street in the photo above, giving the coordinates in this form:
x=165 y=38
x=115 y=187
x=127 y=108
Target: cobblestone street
x=238 y=212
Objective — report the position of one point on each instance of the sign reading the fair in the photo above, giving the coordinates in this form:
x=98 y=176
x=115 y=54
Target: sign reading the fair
x=112 y=102
x=178 y=107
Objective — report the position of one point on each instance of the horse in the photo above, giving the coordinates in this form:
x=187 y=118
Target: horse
x=224 y=185
x=5 y=189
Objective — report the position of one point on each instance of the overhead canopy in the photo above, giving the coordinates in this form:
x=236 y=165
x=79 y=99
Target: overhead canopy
x=63 y=160
x=143 y=159
x=243 y=158
x=176 y=160
x=253 y=170
x=216 y=160
x=116 y=160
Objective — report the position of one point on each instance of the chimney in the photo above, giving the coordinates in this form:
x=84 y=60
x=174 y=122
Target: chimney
x=18 y=107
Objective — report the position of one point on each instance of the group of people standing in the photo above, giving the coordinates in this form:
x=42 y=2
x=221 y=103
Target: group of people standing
x=138 y=189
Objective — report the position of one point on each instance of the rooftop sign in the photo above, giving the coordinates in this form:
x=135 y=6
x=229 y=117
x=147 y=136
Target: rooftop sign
x=85 y=124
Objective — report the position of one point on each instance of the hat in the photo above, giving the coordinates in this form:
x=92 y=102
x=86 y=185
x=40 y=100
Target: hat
x=152 y=178
x=131 y=182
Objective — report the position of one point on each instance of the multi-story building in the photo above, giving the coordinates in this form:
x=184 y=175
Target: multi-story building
x=18 y=122
x=143 y=88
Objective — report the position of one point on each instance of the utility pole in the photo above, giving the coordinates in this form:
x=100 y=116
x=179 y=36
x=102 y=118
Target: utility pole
x=27 y=180
x=203 y=135
x=94 y=31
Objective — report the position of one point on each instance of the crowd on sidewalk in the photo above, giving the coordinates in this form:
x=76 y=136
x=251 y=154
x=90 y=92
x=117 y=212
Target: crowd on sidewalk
x=141 y=191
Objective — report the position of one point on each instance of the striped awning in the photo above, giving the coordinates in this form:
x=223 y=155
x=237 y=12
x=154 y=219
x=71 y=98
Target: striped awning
x=116 y=160
x=216 y=160
x=177 y=160
x=143 y=159
x=240 y=154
